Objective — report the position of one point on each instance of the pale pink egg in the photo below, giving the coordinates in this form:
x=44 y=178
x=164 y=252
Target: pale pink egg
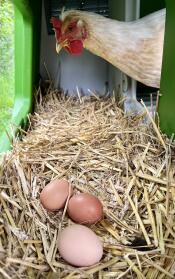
x=80 y=246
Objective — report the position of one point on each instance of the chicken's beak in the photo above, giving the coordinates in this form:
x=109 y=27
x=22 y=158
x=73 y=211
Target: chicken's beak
x=58 y=47
x=61 y=45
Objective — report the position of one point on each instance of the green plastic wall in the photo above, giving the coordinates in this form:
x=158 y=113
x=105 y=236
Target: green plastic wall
x=27 y=15
x=167 y=87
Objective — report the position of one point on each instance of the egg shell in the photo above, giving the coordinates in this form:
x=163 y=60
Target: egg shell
x=55 y=194
x=80 y=246
x=85 y=208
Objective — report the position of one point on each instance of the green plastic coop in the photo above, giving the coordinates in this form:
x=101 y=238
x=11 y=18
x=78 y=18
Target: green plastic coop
x=27 y=31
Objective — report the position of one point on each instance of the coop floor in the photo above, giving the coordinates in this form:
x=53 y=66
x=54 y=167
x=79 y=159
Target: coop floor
x=129 y=166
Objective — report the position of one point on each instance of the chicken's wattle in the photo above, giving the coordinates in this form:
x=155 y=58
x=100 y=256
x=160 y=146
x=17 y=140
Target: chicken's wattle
x=75 y=47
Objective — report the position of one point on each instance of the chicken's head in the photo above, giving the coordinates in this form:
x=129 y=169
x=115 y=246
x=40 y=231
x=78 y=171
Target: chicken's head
x=69 y=34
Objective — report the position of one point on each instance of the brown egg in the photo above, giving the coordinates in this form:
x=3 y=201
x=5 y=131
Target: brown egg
x=80 y=246
x=85 y=208
x=54 y=194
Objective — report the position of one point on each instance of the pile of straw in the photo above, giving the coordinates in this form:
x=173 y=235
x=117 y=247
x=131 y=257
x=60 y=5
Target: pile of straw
x=130 y=167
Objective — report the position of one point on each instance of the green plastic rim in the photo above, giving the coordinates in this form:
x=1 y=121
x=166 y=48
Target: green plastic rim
x=24 y=65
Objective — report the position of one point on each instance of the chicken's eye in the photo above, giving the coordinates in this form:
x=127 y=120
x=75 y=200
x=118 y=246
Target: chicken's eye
x=70 y=28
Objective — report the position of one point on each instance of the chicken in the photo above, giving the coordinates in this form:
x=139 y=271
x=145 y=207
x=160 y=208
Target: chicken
x=136 y=47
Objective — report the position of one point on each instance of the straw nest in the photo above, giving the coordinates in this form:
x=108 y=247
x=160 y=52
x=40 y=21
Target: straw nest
x=129 y=166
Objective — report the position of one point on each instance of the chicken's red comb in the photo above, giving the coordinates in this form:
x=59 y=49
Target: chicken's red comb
x=56 y=22
x=57 y=27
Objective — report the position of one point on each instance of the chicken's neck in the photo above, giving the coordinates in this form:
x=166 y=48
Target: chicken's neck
x=133 y=47
x=110 y=40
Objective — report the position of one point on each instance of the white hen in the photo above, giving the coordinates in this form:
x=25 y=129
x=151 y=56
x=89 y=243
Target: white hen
x=135 y=47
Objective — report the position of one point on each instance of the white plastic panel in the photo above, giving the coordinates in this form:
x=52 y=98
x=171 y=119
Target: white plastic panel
x=86 y=71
